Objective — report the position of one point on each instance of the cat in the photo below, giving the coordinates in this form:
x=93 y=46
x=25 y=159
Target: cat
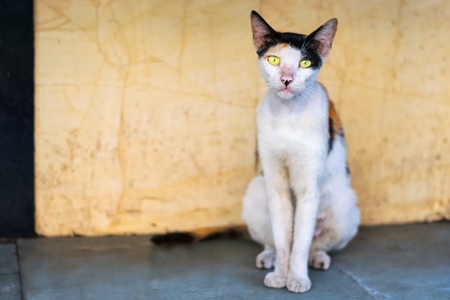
x=303 y=205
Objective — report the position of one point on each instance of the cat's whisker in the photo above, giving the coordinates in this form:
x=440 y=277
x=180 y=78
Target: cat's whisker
x=306 y=45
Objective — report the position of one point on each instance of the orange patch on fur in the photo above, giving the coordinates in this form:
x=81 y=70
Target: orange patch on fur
x=332 y=114
x=278 y=48
x=202 y=232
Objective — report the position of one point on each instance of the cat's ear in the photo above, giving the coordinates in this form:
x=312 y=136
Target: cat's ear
x=323 y=38
x=262 y=32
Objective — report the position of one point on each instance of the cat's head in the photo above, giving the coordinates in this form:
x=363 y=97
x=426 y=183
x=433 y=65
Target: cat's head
x=290 y=62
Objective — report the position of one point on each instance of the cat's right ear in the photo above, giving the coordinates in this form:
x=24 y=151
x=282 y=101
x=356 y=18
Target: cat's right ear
x=324 y=37
x=262 y=32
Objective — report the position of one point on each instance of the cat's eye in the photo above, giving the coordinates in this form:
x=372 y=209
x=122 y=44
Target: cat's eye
x=273 y=60
x=305 y=63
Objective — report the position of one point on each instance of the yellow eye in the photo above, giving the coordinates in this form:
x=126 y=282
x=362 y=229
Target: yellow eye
x=305 y=63
x=273 y=60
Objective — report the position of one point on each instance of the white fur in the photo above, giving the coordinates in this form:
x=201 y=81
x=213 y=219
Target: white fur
x=293 y=148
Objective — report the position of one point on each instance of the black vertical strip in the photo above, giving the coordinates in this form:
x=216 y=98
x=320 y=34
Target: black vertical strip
x=16 y=118
x=330 y=134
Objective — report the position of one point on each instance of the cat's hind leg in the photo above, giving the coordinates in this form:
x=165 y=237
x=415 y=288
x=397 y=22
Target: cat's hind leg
x=266 y=259
x=319 y=260
x=255 y=212
x=335 y=227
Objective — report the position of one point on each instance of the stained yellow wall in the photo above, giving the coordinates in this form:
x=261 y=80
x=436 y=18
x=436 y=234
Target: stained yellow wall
x=145 y=110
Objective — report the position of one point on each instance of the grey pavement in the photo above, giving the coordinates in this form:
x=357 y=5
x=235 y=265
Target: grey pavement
x=388 y=262
x=9 y=273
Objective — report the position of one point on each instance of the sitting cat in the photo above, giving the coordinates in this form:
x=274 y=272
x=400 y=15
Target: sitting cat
x=303 y=206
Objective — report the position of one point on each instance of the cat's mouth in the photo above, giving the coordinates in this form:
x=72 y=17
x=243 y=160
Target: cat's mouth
x=285 y=90
x=285 y=93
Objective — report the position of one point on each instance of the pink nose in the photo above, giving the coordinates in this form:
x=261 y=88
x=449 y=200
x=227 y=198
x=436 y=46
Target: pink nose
x=286 y=80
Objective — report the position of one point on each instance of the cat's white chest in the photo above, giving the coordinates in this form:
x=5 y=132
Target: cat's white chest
x=283 y=133
x=294 y=128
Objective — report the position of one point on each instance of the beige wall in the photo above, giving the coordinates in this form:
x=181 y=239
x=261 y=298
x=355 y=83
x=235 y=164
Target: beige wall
x=145 y=110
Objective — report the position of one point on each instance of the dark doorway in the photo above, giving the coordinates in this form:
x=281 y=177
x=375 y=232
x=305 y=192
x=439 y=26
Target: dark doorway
x=16 y=118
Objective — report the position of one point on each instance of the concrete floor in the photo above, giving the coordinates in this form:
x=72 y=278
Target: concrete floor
x=392 y=262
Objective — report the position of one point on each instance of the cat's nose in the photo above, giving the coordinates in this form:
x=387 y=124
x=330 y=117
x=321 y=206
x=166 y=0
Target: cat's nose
x=286 y=80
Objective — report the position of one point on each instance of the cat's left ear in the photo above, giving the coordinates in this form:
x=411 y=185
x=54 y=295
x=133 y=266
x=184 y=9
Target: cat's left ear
x=323 y=38
x=262 y=32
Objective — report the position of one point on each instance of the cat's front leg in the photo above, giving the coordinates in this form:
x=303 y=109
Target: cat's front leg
x=304 y=224
x=280 y=207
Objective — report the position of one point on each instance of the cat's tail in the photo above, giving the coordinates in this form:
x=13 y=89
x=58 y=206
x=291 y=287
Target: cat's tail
x=200 y=235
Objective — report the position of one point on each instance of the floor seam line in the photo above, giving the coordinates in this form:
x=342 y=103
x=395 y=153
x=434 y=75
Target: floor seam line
x=20 y=270
x=374 y=294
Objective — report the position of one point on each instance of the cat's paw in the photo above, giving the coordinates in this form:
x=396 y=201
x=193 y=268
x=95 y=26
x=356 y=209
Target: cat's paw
x=298 y=285
x=319 y=260
x=266 y=259
x=275 y=280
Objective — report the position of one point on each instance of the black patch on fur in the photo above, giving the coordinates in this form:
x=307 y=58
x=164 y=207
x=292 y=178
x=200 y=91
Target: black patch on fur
x=347 y=169
x=227 y=234
x=173 y=238
x=330 y=134
x=301 y=42
x=305 y=43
